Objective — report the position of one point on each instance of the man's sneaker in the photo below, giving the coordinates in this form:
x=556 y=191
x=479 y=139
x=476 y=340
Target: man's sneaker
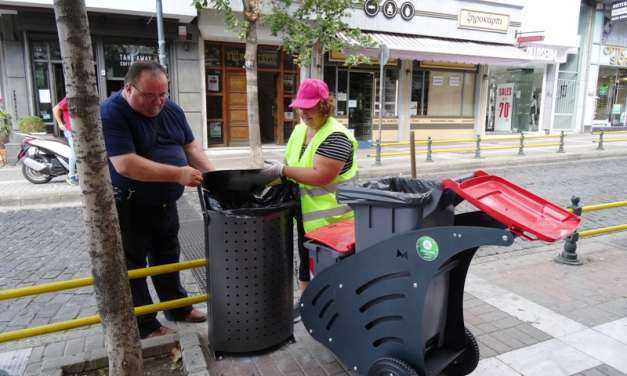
x=71 y=181
x=296 y=315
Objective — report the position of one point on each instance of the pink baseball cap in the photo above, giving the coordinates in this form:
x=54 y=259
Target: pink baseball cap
x=310 y=92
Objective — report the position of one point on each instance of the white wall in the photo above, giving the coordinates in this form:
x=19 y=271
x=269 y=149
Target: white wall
x=559 y=19
x=179 y=9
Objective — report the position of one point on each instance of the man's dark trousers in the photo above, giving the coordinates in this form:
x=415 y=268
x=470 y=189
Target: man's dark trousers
x=150 y=232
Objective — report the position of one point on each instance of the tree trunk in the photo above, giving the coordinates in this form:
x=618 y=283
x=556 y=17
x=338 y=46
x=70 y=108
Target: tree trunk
x=251 y=13
x=103 y=232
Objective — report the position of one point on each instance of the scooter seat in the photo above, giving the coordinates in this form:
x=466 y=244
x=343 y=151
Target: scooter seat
x=338 y=236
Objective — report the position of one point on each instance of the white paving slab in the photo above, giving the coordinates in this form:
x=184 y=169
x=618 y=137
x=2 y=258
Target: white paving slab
x=615 y=329
x=549 y=358
x=550 y=322
x=493 y=367
x=14 y=362
x=606 y=349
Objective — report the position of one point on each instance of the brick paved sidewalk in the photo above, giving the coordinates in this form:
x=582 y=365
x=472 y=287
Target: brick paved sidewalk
x=531 y=316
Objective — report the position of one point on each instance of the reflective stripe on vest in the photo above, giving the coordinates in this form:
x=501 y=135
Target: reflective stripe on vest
x=321 y=191
x=320 y=214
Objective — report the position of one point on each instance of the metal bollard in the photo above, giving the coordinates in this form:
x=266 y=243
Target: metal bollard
x=561 y=147
x=569 y=255
x=377 y=160
x=478 y=147
x=412 y=150
x=521 y=148
x=600 y=147
x=429 y=149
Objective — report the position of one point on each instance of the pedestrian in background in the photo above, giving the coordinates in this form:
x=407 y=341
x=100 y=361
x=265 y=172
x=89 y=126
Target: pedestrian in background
x=61 y=113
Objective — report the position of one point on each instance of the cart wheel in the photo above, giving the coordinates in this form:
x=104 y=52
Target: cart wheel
x=391 y=367
x=468 y=360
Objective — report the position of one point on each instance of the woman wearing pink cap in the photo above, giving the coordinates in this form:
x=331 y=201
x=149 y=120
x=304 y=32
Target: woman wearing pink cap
x=320 y=155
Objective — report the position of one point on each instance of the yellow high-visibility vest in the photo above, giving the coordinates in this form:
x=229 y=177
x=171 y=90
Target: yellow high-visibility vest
x=319 y=205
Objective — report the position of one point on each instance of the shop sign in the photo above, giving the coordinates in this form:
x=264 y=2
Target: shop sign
x=614 y=56
x=127 y=59
x=437 y=80
x=476 y=20
x=542 y=53
x=390 y=9
x=504 y=106
x=619 y=11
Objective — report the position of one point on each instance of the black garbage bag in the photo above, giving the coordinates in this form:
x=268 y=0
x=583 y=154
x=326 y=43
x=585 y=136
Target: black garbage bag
x=394 y=191
x=244 y=192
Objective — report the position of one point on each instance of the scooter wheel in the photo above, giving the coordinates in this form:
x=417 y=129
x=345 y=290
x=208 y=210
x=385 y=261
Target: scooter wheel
x=468 y=360
x=34 y=176
x=391 y=367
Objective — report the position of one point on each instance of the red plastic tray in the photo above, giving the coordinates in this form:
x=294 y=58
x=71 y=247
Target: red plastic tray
x=525 y=214
x=340 y=236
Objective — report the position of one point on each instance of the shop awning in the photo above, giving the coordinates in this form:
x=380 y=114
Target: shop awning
x=421 y=48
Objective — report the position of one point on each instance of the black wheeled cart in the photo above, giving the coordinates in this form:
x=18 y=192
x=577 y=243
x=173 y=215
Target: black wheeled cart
x=387 y=296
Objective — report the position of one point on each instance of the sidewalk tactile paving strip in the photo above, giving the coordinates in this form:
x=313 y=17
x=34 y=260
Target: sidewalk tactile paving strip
x=14 y=362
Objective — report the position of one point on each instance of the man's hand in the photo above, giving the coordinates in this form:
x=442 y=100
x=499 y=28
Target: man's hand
x=189 y=176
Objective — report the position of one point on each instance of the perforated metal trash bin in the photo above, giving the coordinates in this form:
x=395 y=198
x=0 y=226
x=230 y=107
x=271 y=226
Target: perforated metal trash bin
x=249 y=278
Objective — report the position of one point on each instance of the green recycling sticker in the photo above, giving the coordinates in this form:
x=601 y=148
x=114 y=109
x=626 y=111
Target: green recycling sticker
x=427 y=248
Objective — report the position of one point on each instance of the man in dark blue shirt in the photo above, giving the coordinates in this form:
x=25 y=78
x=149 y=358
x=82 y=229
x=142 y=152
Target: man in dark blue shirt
x=152 y=157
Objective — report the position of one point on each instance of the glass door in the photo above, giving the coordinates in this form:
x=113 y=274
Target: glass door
x=360 y=104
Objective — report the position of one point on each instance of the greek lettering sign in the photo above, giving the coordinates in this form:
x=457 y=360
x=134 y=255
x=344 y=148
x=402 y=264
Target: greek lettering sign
x=612 y=55
x=476 y=20
x=504 y=106
x=542 y=53
x=619 y=11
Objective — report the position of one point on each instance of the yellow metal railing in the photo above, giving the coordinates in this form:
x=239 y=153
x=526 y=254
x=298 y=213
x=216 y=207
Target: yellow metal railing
x=88 y=281
x=95 y=319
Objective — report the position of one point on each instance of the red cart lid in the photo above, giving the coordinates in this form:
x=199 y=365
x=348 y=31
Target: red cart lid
x=525 y=214
x=340 y=236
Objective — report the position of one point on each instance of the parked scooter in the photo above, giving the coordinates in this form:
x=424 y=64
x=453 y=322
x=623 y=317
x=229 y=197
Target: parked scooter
x=43 y=159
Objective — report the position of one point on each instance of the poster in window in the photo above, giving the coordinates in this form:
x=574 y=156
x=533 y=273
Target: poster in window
x=438 y=80
x=213 y=82
x=504 y=106
x=289 y=83
x=454 y=80
x=413 y=108
x=44 y=96
x=215 y=129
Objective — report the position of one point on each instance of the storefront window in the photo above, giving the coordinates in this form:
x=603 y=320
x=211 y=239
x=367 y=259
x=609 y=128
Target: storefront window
x=213 y=55
x=119 y=57
x=234 y=56
x=268 y=57
x=611 y=102
x=390 y=93
x=442 y=93
x=514 y=99
x=342 y=95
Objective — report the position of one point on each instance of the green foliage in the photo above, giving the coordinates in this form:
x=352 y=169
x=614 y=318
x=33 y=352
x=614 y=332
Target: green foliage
x=31 y=124
x=5 y=125
x=303 y=25
x=310 y=24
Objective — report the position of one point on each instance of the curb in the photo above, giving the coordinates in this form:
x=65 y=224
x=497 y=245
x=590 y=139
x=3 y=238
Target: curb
x=193 y=359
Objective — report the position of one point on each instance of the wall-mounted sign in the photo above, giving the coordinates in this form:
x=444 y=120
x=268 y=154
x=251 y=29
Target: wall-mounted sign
x=454 y=80
x=477 y=20
x=407 y=11
x=612 y=55
x=389 y=8
x=542 y=53
x=371 y=8
x=619 y=11
x=437 y=81
x=504 y=106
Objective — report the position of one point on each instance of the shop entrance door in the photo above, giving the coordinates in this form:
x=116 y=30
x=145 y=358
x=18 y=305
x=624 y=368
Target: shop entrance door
x=237 y=113
x=267 y=84
x=360 y=104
